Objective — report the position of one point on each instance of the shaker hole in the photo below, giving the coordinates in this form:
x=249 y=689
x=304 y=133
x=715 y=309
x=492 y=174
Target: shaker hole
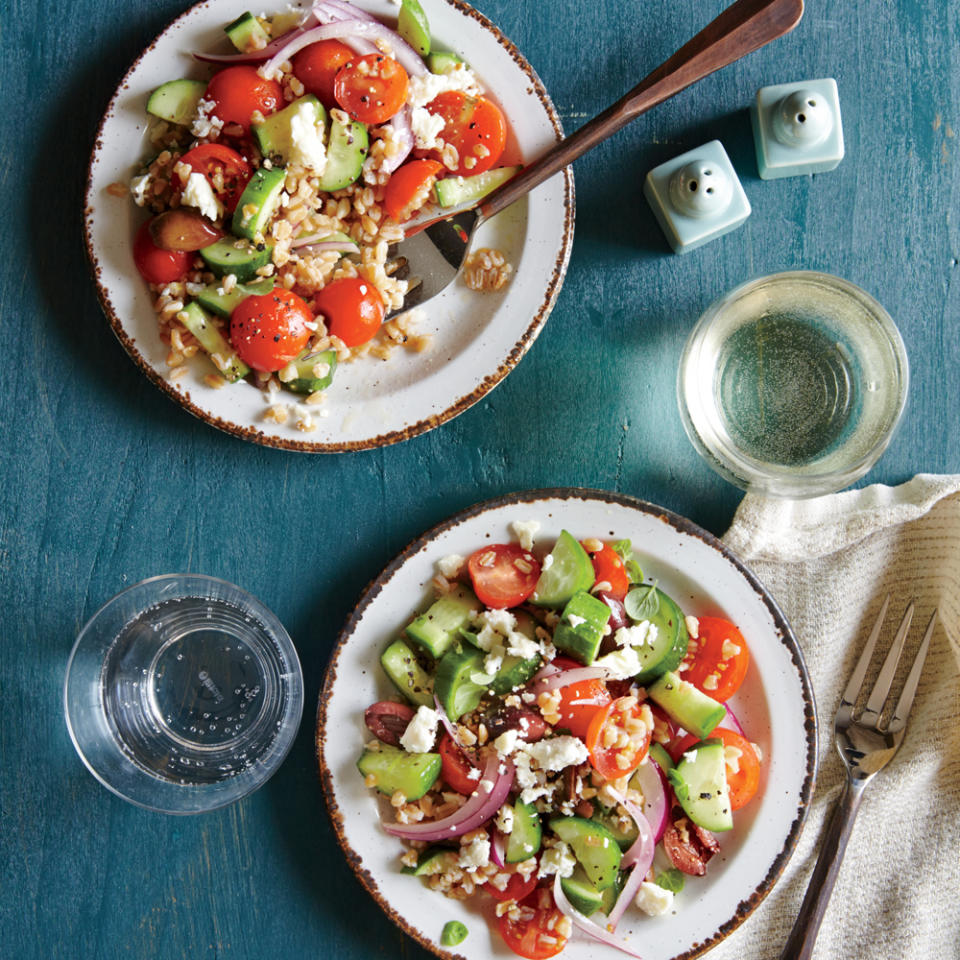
x=811 y=103
x=709 y=189
x=693 y=186
x=801 y=118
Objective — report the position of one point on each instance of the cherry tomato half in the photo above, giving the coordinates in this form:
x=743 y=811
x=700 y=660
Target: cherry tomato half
x=409 y=187
x=155 y=264
x=743 y=769
x=270 y=329
x=618 y=721
x=535 y=938
x=371 y=88
x=456 y=767
x=317 y=66
x=238 y=91
x=475 y=126
x=352 y=308
x=579 y=703
x=608 y=567
x=717 y=660
x=503 y=575
x=226 y=170
x=517 y=888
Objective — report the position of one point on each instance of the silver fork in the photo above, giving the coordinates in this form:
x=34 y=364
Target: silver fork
x=866 y=743
x=435 y=249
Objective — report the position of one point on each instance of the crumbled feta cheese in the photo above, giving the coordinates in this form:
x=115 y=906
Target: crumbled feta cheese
x=621 y=664
x=205 y=124
x=711 y=681
x=559 y=860
x=557 y=753
x=306 y=138
x=693 y=627
x=139 y=188
x=198 y=193
x=421 y=731
x=574 y=620
x=653 y=900
x=426 y=128
x=506 y=743
x=639 y=634
x=423 y=89
x=473 y=774
x=492 y=663
x=475 y=854
x=547 y=562
x=690 y=756
x=520 y=645
x=504 y=819
x=450 y=565
x=525 y=532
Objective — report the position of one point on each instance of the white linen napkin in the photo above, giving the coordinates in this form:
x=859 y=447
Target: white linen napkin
x=829 y=562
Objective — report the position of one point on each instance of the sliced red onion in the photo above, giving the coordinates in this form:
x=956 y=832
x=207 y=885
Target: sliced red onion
x=444 y=719
x=731 y=722
x=497 y=849
x=403 y=136
x=653 y=786
x=493 y=789
x=639 y=856
x=340 y=246
x=256 y=56
x=371 y=30
x=585 y=923
x=339 y=10
x=547 y=670
x=618 y=616
x=566 y=677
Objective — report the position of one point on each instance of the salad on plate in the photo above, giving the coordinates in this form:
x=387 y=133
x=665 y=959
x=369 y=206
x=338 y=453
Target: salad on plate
x=276 y=189
x=560 y=745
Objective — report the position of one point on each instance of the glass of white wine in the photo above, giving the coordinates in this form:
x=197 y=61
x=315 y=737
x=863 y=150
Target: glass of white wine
x=183 y=693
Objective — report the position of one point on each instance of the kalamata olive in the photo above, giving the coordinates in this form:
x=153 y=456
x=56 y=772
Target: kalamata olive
x=618 y=616
x=387 y=720
x=183 y=230
x=531 y=725
x=688 y=846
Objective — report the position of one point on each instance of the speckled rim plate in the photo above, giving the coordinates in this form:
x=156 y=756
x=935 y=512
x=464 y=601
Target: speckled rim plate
x=477 y=338
x=775 y=705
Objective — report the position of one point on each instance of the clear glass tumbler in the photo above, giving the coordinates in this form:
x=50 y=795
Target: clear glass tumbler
x=183 y=693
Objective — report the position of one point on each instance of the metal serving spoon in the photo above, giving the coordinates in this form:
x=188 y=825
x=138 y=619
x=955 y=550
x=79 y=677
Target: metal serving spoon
x=435 y=249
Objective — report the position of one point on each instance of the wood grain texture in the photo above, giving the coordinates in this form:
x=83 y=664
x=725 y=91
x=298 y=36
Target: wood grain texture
x=104 y=481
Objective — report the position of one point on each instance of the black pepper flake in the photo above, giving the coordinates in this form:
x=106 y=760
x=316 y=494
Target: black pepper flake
x=261 y=247
x=705 y=796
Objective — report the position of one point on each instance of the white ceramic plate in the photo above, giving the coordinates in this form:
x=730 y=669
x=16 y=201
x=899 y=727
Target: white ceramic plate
x=477 y=338
x=775 y=706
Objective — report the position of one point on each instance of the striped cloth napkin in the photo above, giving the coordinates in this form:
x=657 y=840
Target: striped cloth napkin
x=829 y=562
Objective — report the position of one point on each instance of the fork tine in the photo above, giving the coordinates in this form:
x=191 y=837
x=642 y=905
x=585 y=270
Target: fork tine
x=860 y=671
x=905 y=702
x=881 y=688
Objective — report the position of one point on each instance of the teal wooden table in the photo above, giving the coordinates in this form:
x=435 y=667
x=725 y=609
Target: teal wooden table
x=105 y=481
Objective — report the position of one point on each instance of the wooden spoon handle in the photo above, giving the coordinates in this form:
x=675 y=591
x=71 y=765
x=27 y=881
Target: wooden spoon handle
x=743 y=27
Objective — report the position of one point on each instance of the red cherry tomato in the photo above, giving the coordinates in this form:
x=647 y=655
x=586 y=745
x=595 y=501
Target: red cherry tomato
x=371 y=88
x=409 y=187
x=535 y=938
x=456 y=767
x=616 y=719
x=503 y=574
x=471 y=123
x=353 y=309
x=317 y=66
x=579 y=703
x=743 y=781
x=269 y=330
x=717 y=660
x=226 y=170
x=608 y=567
x=238 y=91
x=517 y=888
x=155 y=264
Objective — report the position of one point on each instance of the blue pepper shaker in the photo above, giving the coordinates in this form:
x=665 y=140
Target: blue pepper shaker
x=797 y=128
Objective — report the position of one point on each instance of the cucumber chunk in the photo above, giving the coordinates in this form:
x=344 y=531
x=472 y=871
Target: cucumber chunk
x=274 y=135
x=525 y=838
x=201 y=325
x=569 y=572
x=346 y=150
x=581 y=893
x=413 y=774
x=608 y=818
x=452 y=191
x=413 y=26
x=593 y=845
x=310 y=376
x=240 y=257
x=401 y=666
x=433 y=860
x=669 y=647
x=515 y=671
x=223 y=304
x=176 y=100
x=700 y=783
x=456 y=691
x=659 y=755
x=692 y=709
x=246 y=33
x=581 y=627
x=258 y=202
x=441 y=61
x=437 y=629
